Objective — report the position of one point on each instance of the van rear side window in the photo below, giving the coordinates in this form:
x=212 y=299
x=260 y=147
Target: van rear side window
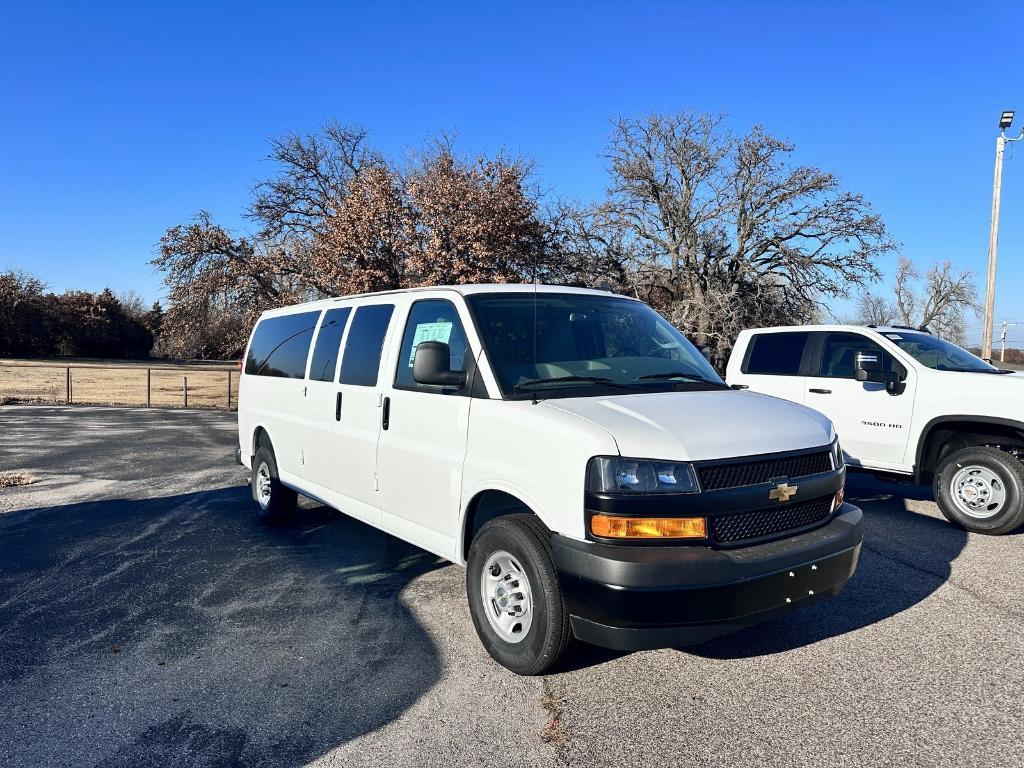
x=280 y=346
x=361 y=361
x=777 y=354
x=328 y=340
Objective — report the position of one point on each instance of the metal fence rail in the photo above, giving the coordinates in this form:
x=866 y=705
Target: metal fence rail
x=131 y=385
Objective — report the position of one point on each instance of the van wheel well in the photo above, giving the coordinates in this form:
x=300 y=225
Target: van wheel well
x=947 y=437
x=261 y=438
x=483 y=508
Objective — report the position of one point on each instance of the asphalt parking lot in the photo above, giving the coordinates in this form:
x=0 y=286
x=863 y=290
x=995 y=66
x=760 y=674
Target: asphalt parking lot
x=146 y=619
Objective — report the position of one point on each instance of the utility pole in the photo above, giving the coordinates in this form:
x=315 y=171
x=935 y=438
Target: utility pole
x=1005 y=120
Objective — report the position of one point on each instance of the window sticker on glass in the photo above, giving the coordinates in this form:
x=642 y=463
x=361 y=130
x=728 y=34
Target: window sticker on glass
x=429 y=332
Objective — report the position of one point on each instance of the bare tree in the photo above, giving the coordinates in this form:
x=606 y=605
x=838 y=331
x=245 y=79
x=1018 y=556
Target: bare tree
x=875 y=310
x=939 y=302
x=132 y=304
x=720 y=231
x=314 y=172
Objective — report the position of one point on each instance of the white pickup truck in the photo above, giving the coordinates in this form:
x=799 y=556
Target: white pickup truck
x=904 y=403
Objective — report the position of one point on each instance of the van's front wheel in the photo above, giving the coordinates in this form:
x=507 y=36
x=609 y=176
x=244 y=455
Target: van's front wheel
x=514 y=597
x=275 y=502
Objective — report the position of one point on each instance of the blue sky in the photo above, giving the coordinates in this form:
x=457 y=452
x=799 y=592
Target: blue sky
x=121 y=119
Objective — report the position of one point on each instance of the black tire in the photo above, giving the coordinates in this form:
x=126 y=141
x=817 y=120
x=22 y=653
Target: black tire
x=280 y=504
x=549 y=637
x=1008 y=471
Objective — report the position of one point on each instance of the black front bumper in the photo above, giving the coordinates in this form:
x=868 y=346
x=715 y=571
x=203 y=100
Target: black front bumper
x=637 y=597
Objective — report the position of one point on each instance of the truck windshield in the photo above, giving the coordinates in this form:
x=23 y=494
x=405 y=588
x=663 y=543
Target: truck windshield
x=577 y=344
x=938 y=354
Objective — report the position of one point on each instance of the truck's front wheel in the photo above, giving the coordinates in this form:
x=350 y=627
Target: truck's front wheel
x=514 y=597
x=981 y=489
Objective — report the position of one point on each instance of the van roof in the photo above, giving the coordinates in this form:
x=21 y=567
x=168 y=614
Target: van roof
x=466 y=289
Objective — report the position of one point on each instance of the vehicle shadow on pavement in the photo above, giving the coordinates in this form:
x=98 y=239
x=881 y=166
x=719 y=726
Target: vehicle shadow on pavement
x=183 y=632
x=906 y=556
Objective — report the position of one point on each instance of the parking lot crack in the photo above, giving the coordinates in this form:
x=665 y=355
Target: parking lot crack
x=554 y=731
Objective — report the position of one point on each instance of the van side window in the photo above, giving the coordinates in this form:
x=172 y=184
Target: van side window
x=430 y=320
x=776 y=354
x=840 y=351
x=328 y=340
x=361 y=361
x=280 y=346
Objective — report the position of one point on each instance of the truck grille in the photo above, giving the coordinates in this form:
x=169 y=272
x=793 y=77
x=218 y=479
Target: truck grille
x=741 y=526
x=737 y=474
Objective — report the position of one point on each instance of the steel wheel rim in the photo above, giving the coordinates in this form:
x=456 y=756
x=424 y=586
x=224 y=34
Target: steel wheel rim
x=506 y=597
x=263 y=487
x=978 y=492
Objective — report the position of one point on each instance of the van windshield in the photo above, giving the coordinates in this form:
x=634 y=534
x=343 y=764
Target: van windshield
x=578 y=345
x=938 y=354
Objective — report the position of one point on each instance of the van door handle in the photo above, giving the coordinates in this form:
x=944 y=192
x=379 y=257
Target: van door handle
x=337 y=407
x=385 y=419
x=820 y=391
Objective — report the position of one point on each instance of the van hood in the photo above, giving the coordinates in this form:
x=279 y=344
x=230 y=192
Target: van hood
x=695 y=426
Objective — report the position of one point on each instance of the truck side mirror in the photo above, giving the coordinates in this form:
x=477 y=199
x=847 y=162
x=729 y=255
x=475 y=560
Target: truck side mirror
x=430 y=366
x=867 y=366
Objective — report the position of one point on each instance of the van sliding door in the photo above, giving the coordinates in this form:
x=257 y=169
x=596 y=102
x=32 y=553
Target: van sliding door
x=356 y=417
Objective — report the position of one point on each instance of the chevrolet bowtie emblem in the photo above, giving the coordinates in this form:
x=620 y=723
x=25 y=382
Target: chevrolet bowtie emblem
x=783 y=492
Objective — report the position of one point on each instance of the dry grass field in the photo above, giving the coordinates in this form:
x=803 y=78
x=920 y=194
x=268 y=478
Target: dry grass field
x=119 y=382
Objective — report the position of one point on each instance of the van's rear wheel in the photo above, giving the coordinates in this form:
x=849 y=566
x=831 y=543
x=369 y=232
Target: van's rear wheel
x=981 y=489
x=274 y=501
x=514 y=597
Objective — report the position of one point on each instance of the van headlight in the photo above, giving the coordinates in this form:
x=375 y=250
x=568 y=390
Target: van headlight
x=615 y=474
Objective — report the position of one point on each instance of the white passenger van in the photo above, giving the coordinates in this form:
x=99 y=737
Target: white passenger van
x=569 y=447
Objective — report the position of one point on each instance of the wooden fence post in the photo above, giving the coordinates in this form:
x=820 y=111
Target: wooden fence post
x=184 y=389
x=149 y=387
x=68 y=398
x=229 y=389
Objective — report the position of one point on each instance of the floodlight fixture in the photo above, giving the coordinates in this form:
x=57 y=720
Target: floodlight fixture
x=1006 y=119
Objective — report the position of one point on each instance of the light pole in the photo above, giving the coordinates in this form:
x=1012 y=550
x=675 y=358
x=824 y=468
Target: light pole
x=1005 y=120
x=1002 y=341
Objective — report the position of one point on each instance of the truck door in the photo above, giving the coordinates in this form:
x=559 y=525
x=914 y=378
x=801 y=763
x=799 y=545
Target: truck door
x=773 y=364
x=872 y=423
x=423 y=441
x=358 y=415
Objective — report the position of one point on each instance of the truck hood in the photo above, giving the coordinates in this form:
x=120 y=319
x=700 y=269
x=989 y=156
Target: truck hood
x=695 y=426
x=976 y=394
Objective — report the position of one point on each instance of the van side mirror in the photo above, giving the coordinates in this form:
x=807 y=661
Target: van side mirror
x=430 y=366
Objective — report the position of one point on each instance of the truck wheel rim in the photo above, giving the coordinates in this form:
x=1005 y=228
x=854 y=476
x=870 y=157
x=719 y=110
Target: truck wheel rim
x=263 y=484
x=506 y=596
x=978 y=492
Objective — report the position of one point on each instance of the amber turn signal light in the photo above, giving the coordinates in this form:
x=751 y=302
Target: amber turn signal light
x=838 y=500
x=609 y=527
